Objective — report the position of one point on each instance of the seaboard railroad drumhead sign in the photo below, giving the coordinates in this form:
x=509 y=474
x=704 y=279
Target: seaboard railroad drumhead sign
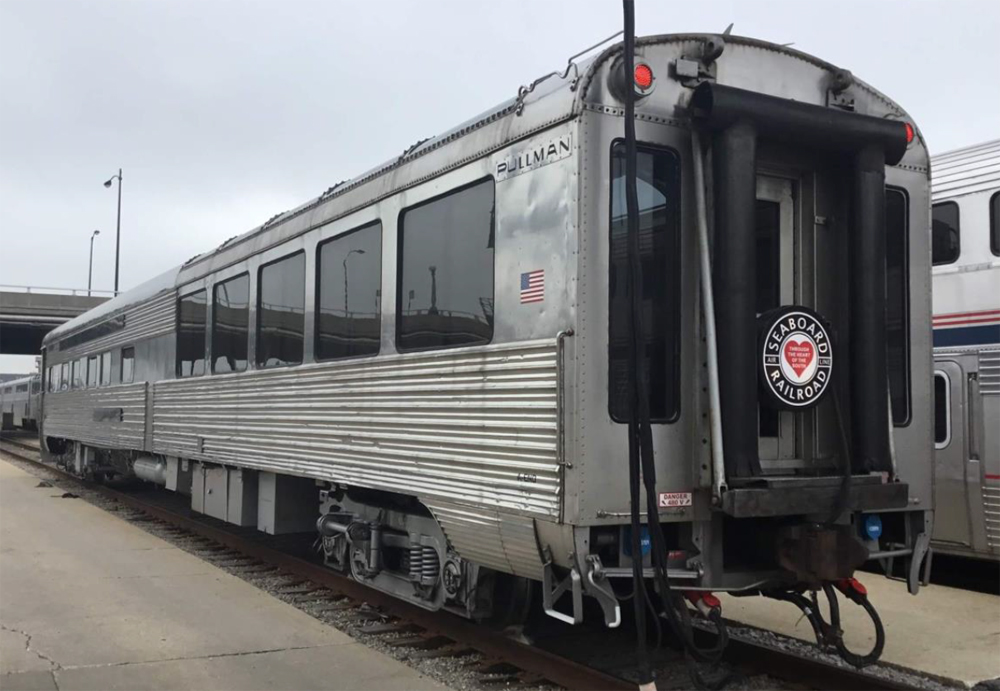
x=797 y=358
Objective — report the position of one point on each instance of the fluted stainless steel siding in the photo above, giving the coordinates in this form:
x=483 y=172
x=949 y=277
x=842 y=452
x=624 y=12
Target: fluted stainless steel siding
x=502 y=541
x=477 y=426
x=149 y=319
x=989 y=372
x=85 y=416
x=991 y=513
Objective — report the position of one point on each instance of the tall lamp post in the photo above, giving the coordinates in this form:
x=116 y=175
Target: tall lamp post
x=90 y=271
x=118 y=226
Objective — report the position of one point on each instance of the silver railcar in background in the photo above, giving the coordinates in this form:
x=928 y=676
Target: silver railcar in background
x=966 y=259
x=428 y=363
x=20 y=402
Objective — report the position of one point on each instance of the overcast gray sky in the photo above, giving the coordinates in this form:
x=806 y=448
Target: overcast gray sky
x=224 y=112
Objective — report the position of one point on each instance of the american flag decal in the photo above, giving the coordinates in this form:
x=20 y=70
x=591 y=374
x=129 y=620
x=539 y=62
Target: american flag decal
x=533 y=286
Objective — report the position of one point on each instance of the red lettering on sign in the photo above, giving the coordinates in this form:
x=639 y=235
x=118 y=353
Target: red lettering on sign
x=799 y=355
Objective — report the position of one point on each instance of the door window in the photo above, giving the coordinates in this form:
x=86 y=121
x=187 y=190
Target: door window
x=658 y=191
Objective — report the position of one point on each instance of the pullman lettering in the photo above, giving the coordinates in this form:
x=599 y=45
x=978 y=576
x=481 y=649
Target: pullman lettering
x=534 y=157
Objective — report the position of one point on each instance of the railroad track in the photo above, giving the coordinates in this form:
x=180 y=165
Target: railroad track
x=501 y=660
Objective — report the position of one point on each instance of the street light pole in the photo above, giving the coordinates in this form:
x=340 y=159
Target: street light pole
x=90 y=270
x=118 y=225
x=345 y=275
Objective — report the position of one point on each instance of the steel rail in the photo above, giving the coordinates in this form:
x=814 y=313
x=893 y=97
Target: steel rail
x=748 y=656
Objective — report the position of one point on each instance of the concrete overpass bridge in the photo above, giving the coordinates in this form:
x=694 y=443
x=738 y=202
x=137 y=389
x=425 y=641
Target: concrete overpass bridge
x=28 y=313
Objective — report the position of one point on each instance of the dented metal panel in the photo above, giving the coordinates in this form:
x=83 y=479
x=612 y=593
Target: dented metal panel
x=474 y=425
x=112 y=417
x=500 y=541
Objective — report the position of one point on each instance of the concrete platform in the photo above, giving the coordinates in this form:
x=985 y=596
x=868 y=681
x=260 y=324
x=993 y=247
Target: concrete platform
x=88 y=601
x=946 y=632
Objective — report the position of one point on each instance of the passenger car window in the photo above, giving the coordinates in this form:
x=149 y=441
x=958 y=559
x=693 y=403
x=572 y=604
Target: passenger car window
x=281 y=303
x=995 y=223
x=80 y=373
x=945 y=235
x=231 y=324
x=444 y=294
x=942 y=411
x=50 y=383
x=106 y=368
x=128 y=365
x=658 y=186
x=349 y=272
x=64 y=377
x=897 y=308
x=191 y=334
x=93 y=370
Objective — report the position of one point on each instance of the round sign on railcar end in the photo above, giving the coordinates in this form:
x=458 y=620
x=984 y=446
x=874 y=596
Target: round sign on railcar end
x=796 y=358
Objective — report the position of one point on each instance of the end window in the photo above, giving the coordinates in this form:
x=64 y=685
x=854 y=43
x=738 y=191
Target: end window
x=191 y=314
x=945 y=235
x=897 y=311
x=444 y=293
x=658 y=187
x=128 y=365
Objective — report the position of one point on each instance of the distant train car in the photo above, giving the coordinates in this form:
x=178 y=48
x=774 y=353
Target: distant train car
x=20 y=401
x=966 y=258
x=431 y=365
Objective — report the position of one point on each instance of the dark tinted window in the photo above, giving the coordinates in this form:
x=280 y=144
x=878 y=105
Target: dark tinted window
x=658 y=186
x=945 y=238
x=768 y=255
x=93 y=371
x=897 y=307
x=445 y=287
x=128 y=365
x=281 y=301
x=941 y=409
x=995 y=223
x=231 y=325
x=191 y=315
x=348 y=298
x=51 y=375
x=106 y=369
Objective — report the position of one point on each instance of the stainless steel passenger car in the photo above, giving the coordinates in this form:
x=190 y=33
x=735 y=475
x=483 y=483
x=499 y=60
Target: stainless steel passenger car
x=966 y=258
x=19 y=403
x=427 y=363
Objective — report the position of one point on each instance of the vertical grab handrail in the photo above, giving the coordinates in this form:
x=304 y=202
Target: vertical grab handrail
x=708 y=306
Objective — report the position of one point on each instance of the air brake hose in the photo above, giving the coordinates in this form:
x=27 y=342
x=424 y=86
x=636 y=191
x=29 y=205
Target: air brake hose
x=857 y=594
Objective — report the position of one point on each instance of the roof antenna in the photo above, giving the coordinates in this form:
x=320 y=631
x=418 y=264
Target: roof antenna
x=729 y=30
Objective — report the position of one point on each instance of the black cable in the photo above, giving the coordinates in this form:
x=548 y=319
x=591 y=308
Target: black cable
x=861 y=599
x=642 y=467
x=633 y=322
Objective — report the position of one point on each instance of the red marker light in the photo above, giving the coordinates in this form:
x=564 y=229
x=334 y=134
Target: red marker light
x=909 y=133
x=643 y=76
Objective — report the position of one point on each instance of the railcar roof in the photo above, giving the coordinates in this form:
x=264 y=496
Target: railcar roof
x=967 y=170
x=549 y=100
